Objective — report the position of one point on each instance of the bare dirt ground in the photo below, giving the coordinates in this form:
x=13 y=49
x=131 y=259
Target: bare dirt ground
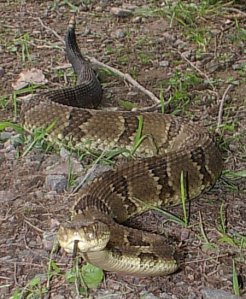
x=196 y=55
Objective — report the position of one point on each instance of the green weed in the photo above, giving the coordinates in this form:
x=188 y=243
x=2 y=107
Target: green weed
x=234 y=240
x=180 y=84
x=33 y=289
x=57 y=3
x=4 y=100
x=71 y=177
x=14 y=97
x=139 y=138
x=21 y=44
x=144 y=58
x=207 y=244
x=127 y=105
x=184 y=197
x=235 y=283
x=38 y=139
x=84 y=278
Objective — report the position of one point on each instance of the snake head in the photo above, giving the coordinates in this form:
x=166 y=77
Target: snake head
x=89 y=235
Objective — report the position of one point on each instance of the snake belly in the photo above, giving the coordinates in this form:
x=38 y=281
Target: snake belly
x=171 y=146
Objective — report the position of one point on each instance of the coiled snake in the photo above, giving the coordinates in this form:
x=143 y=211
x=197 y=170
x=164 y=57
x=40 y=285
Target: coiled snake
x=171 y=146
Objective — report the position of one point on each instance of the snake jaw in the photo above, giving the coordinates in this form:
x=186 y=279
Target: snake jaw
x=93 y=237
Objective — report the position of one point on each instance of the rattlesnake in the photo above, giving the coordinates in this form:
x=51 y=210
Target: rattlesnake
x=171 y=146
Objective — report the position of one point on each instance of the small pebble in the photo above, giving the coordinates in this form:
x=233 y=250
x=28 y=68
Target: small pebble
x=119 y=34
x=4 y=136
x=164 y=63
x=137 y=20
x=208 y=293
x=56 y=183
x=121 y=12
x=2 y=72
x=48 y=240
x=179 y=43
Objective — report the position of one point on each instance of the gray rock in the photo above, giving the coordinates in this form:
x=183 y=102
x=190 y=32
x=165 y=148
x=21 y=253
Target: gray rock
x=179 y=43
x=169 y=37
x=98 y=9
x=208 y=293
x=63 y=168
x=64 y=153
x=6 y=195
x=146 y=295
x=121 y=12
x=119 y=34
x=165 y=296
x=107 y=294
x=58 y=296
x=192 y=296
x=137 y=20
x=2 y=72
x=8 y=146
x=4 y=136
x=56 y=182
x=104 y=2
x=164 y=63
x=51 y=195
x=49 y=239
x=238 y=66
x=10 y=153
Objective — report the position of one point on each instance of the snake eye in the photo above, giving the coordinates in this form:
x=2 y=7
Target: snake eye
x=91 y=236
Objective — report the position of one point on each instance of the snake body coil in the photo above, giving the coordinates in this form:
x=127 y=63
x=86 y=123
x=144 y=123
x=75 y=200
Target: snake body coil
x=170 y=146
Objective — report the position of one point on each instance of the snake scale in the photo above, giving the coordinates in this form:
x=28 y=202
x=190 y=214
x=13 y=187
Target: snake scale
x=170 y=146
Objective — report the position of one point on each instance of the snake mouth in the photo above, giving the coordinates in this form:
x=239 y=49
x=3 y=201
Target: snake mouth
x=93 y=237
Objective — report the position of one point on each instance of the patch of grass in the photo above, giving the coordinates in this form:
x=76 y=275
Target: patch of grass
x=7 y=124
x=14 y=97
x=127 y=105
x=240 y=34
x=38 y=139
x=134 y=71
x=71 y=177
x=200 y=36
x=84 y=278
x=144 y=58
x=4 y=100
x=183 y=197
x=123 y=59
x=235 y=283
x=235 y=174
x=180 y=84
x=139 y=138
x=64 y=74
x=21 y=46
x=237 y=239
x=184 y=13
x=207 y=244
x=57 y=3
x=33 y=289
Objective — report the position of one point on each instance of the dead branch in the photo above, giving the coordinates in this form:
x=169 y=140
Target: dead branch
x=221 y=108
x=197 y=69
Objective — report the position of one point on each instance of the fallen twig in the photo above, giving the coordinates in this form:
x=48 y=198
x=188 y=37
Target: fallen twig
x=50 y=29
x=125 y=76
x=221 y=108
x=197 y=69
x=236 y=10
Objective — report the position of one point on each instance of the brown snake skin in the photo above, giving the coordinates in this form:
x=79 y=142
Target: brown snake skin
x=171 y=146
